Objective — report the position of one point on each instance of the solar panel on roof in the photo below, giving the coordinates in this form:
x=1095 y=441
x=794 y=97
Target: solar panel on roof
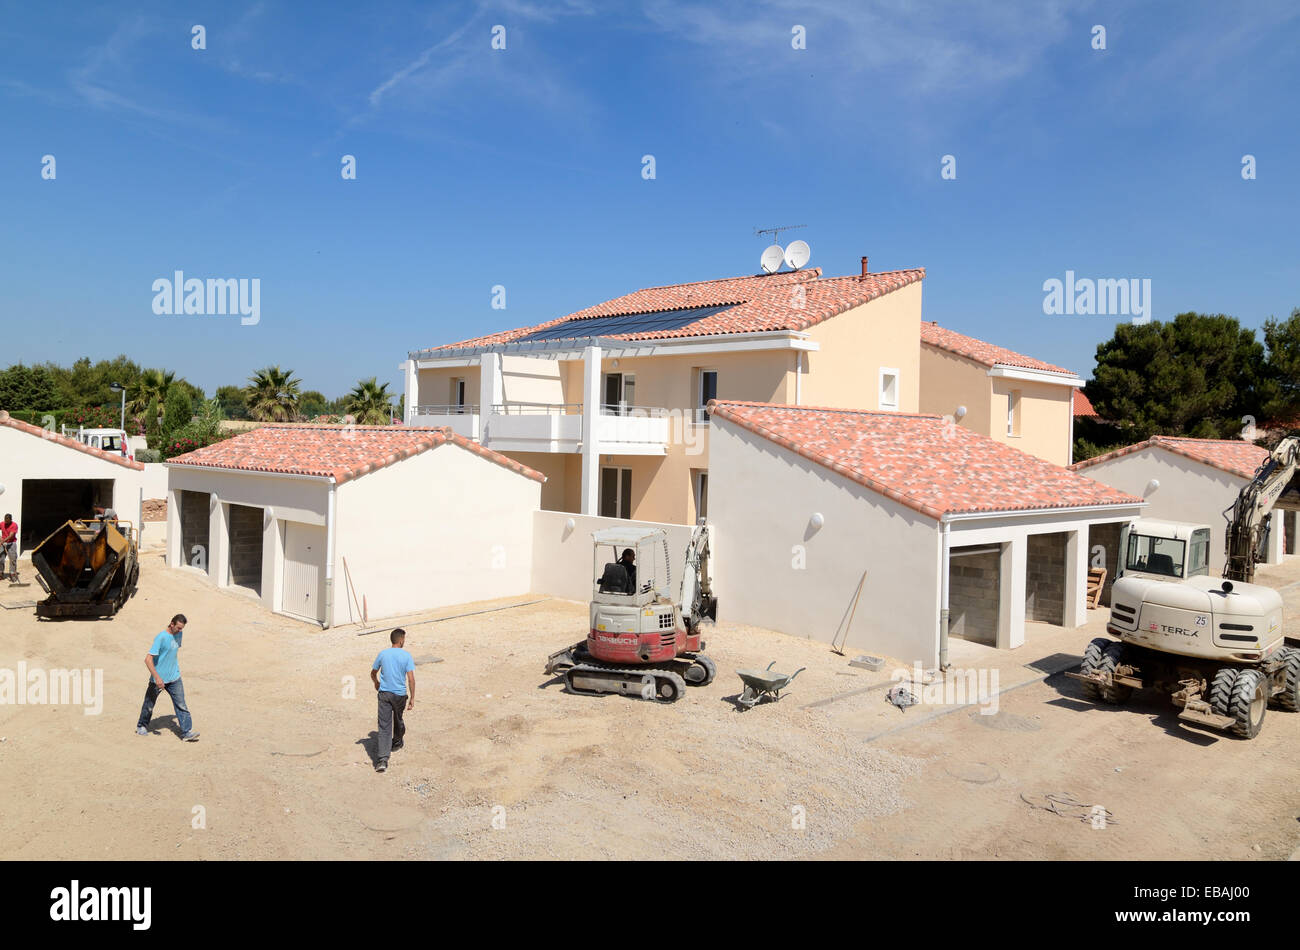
x=624 y=323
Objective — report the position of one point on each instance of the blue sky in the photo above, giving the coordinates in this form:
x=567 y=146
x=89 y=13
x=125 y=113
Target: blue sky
x=522 y=167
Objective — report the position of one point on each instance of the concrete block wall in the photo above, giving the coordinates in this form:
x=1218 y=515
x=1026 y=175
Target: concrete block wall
x=1045 y=578
x=973 y=596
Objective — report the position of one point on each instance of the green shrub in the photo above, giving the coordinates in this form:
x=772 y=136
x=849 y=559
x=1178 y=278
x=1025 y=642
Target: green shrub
x=148 y=455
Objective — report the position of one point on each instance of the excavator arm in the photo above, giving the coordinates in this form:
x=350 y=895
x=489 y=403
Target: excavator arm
x=696 y=597
x=1275 y=485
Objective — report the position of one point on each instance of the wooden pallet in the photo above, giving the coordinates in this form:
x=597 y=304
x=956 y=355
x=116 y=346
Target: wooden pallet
x=1096 y=581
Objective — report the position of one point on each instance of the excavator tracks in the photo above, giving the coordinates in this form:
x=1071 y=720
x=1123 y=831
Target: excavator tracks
x=589 y=677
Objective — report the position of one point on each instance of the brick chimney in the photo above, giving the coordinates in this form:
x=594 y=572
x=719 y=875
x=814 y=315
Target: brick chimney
x=864 y=266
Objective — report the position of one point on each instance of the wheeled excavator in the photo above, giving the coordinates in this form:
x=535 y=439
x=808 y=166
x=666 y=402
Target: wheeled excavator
x=1217 y=646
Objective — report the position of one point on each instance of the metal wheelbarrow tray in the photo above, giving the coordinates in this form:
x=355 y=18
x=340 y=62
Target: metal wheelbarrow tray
x=763 y=685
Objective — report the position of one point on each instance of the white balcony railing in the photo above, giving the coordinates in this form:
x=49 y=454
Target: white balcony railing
x=463 y=419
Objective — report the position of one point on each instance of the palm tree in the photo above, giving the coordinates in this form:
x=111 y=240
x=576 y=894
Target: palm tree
x=273 y=395
x=151 y=394
x=369 y=403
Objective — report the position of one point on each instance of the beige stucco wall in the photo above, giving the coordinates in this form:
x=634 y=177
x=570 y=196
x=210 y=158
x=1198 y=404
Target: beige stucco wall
x=442 y=527
x=1189 y=491
x=772 y=570
x=562 y=556
x=1045 y=416
x=949 y=381
x=435 y=385
x=23 y=455
x=856 y=344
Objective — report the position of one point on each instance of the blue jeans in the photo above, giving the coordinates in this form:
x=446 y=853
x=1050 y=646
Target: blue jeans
x=177 y=692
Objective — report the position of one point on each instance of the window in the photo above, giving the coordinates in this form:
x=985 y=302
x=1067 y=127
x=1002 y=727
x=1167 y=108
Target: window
x=888 y=388
x=1013 y=412
x=620 y=393
x=458 y=393
x=708 y=390
x=1198 y=560
x=616 y=493
x=1152 y=555
x=701 y=489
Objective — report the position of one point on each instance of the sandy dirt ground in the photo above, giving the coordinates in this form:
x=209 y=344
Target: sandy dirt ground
x=501 y=763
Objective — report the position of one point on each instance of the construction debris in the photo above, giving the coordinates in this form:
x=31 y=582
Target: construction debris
x=901 y=696
x=1066 y=807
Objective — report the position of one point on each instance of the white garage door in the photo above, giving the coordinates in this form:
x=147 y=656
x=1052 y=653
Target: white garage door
x=304 y=570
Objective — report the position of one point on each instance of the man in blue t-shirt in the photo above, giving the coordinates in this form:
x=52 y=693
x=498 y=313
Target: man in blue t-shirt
x=163 y=663
x=394 y=677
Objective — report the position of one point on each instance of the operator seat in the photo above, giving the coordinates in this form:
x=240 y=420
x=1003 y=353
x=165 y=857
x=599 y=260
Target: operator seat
x=615 y=579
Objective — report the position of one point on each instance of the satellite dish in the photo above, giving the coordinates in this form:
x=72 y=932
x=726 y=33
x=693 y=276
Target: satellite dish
x=797 y=254
x=771 y=259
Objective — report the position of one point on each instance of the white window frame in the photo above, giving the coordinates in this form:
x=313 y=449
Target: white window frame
x=620 y=503
x=880 y=387
x=1013 y=413
x=701 y=417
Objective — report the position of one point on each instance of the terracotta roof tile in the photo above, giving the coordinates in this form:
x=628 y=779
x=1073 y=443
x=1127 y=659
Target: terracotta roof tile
x=115 y=458
x=1233 y=456
x=1082 y=406
x=986 y=354
x=333 y=451
x=922 y=461
x=791 y=300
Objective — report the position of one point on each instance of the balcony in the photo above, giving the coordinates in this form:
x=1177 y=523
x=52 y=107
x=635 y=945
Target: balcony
x=538 y=427
x=633 y=430
x=534 y=427
x=463 y=420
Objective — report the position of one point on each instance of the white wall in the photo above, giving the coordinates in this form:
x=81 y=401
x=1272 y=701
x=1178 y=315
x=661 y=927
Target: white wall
x=23 y=455
x=289 y=499
x=562 y=557
x=442 y=527
x=154 y=480
x=1189 y=491
x=762 y=497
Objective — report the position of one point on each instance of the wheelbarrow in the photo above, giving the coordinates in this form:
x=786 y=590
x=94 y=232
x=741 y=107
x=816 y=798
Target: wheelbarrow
x=762 y=685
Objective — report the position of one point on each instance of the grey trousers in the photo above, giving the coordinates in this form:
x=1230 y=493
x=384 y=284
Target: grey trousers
x=391 y=727
x=9 y=558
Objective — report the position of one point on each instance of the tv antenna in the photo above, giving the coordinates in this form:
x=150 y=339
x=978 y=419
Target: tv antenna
x=776 y=232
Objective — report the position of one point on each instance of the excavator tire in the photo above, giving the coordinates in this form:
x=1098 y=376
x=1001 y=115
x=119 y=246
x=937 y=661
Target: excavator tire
x=1092 y=660
x=1249 y=703
x=701 y=672
x=1290 y=696
x=1221 y=690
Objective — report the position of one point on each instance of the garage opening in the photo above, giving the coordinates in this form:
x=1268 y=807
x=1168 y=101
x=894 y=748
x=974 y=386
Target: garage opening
x=1288 y=532
x=1045 y=578
x=246 y=547
x=973 y=592
x=1103 y=552
x=194 y=507
x=304 y=570
x=48 y=502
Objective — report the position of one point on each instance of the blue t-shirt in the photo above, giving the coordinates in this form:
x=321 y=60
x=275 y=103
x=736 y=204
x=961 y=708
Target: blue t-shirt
x=393 y=664
x=166 y=654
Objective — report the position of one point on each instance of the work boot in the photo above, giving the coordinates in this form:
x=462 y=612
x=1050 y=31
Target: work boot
x=141 y=731
x=381 y=766
x=191 y=736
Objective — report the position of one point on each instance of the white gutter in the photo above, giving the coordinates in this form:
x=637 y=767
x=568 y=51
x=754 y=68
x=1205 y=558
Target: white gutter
x=329 y=558
x=185 y=466
x=1036 y=376
x=1028 y=512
